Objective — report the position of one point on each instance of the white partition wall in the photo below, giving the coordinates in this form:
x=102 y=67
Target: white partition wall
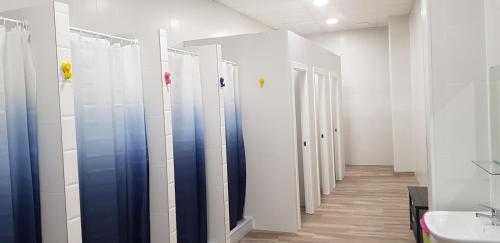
x=72 y=187
x=167 y=109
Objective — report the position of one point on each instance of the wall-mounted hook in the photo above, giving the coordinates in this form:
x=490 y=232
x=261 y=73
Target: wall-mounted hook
x=167 y=78
x=261 y=82
x=222 y=82
x=66 y=69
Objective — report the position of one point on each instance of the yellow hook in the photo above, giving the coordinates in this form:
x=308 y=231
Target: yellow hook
x=261 y=81
x=66 y=69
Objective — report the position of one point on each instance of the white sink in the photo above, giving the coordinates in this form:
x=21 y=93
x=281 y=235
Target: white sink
x=461 y=227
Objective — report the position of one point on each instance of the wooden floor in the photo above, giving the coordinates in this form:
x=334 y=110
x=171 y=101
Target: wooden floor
x=369 y=206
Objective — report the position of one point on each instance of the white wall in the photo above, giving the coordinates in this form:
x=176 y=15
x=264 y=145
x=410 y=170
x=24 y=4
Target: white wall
x=458 y=105
x=366 y=93
x=419 y=83
x=183 y=19
x=492 y=11
x=401 y=93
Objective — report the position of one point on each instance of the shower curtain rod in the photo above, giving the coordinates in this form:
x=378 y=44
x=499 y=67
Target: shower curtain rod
x=182 y=51
x=15 y=21
x=74 y=29
x=229 y=62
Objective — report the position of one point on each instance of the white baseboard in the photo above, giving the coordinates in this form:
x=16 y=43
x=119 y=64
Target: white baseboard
x=243 y=228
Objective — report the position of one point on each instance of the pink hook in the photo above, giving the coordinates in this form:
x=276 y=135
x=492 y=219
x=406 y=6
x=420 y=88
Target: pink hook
x=167 y=78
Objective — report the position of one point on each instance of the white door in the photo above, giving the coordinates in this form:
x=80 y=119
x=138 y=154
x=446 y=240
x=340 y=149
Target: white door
x=331 y=131
x=322 y=132
x=336 y=105
x=303 y=137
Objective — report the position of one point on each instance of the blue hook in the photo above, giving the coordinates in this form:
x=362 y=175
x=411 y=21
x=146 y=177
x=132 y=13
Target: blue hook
x=222 y=82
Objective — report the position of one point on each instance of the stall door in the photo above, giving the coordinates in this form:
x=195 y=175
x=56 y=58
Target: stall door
x=304 y=152
x=322 y=124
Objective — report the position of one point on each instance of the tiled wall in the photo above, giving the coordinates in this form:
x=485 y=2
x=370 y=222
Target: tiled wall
x=67 y=116
x=167 y=109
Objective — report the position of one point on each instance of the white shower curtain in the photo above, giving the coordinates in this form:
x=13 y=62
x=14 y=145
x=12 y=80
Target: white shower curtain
x=189 y=148
x=235 y=146
x=111 y=139
x=19 y=184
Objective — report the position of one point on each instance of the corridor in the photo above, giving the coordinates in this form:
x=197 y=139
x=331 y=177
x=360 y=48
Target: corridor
x=369 y=206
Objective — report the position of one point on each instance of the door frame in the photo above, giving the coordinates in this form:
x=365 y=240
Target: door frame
x=308 y=177
x=331 y=131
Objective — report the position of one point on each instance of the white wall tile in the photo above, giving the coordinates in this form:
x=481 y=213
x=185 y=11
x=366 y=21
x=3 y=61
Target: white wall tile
x=226 y=194
x=61 y=7
x=223 y=135
x=224 y=154
x=172 y=220
x=166 y=99
x=62 y=30
x=170 y=147
x=173 y=237
x=75 y=231
x=170 y=171
x=70 y=167
x=68 y=133
x=72 y=202
x=168 y=122
x=171 y=196
x=224 y=173
x=67 y=99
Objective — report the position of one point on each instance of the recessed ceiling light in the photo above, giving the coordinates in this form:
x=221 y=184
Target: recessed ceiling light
x=332 y=21
x=320 y=3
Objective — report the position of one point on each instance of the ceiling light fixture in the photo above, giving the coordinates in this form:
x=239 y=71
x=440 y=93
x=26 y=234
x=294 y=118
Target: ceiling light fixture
x=320 y=3
x=332 y=21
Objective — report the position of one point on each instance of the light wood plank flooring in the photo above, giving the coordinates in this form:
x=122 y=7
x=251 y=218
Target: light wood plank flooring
x=369 y=206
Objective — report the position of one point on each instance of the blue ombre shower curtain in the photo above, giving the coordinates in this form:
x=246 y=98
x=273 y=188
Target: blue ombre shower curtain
x=111 y=141
x=19 y=181
x=189 y=150
x=235 y=146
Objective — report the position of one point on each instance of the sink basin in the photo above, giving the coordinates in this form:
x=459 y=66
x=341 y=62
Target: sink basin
x=461 y=227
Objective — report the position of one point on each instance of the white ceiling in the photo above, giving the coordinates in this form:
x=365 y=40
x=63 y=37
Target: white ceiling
x=303 y=17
